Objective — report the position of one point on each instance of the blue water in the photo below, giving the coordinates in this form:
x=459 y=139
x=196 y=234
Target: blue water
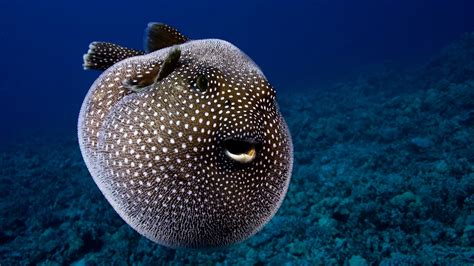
x=379 y=96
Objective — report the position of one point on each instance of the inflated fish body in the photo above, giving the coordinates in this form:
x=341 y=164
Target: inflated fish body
x=186 y=142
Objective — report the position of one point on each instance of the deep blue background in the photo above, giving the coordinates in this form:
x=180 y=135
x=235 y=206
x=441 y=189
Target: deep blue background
x=296 y=43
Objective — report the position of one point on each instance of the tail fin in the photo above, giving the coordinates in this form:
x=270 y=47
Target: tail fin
x=102 y=55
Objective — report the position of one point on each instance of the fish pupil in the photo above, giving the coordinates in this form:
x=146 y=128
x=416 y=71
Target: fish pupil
x=202 y=83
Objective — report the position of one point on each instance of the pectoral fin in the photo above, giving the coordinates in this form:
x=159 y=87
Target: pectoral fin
x=170 y=63
x=148 y=75
x=142 y=78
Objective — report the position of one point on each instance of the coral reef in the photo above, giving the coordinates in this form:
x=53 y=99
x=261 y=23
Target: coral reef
x=384 y=174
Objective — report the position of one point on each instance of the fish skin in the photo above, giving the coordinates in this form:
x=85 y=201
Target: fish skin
x=157 y=155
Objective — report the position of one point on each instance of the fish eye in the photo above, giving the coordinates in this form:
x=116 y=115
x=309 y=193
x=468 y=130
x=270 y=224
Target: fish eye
x=202 y=83
x=240 y=151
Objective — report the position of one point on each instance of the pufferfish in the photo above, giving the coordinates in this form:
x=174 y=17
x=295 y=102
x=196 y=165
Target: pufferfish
x=185 y=139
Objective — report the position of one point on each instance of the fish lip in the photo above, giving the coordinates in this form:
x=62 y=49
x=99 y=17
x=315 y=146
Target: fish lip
x=252 y=139
x=248 y=139
x=232 y=145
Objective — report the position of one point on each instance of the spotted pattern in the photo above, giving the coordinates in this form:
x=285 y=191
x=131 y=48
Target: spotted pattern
x=101 y=55
x=157 y=155
x=176 y=34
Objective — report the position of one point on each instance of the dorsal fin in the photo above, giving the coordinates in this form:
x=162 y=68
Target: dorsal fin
x=159 y=35
x=102 y=55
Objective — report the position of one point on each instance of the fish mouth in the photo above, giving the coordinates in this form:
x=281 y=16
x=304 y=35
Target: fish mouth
x=242 y=151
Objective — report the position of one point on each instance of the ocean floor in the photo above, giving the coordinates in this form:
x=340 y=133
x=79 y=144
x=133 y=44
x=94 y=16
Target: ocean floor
x=384 y=174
